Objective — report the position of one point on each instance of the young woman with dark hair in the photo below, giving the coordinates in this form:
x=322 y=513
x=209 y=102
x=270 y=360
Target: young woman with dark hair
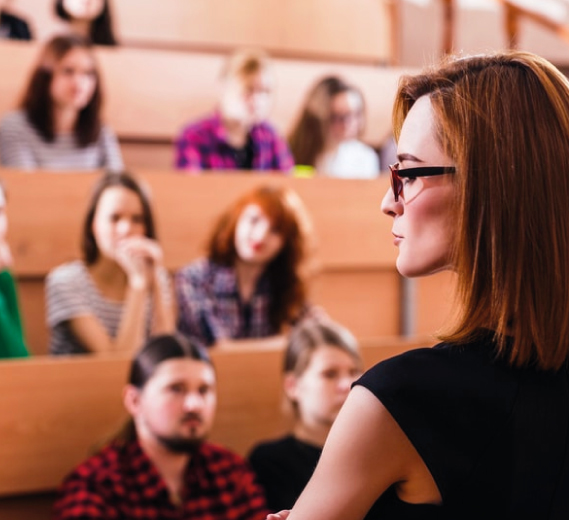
x=120 y=292
x=477 y=426
x=321 y=362
x=327 y=133
x=250 y=285
x=91 y=19
x=59 y=125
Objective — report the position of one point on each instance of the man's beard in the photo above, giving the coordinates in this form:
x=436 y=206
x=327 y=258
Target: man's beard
x=181 y=444
x=177 y=444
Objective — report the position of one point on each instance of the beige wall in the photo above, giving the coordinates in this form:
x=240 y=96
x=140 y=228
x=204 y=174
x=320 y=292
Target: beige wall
x=477 y=30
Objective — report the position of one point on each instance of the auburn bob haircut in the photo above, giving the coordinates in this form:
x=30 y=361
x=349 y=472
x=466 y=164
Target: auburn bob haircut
x=504 y=119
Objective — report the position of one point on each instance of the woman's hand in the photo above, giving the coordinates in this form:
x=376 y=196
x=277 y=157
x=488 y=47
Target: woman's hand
x=139 y=257
x=281 y=515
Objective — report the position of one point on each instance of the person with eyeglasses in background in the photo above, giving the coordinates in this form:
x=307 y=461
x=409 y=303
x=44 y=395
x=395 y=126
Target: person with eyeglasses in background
x=478 y=425
x=327 y=135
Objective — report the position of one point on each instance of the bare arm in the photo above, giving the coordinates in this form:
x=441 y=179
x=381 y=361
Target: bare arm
x=93 y=336
x=163 y=318
x=365 y=453
x=137 y=257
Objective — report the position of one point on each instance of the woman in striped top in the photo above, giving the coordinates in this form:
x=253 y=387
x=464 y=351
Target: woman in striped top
x=58 y=125
x=120 y=292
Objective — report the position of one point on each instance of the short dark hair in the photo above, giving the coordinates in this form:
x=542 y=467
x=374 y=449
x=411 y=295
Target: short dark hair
x=38 y=105
x=101 y=32
x=162 y=348
x=109 y=180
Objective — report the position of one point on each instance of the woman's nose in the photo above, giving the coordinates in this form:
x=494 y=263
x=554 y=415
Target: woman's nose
x=124 y=227
x=260 y=232
x=389 y=206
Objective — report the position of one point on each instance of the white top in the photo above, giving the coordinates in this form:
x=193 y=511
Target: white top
x=21 y=146
x=352 y=160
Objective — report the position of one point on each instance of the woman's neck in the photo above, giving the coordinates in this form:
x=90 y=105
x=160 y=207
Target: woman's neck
x=314 y=434
x=109 y=277
x=247 y=277
x=82 y=27
x=64 y=120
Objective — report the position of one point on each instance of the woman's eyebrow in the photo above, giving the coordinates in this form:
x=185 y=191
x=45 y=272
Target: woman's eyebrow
x=408 y=157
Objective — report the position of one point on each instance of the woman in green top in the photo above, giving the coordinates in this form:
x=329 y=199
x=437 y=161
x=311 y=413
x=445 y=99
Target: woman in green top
x=12 y=343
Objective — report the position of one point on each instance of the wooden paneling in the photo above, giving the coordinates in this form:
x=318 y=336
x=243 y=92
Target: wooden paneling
x=152 y=94
x=46 y=213
x=359 y=30
x=32 y=305
x=356 y=281
x=54 y=411
x=365 y=301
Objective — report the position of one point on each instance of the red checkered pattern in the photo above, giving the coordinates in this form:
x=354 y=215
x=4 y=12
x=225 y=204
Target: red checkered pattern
x=120 y=482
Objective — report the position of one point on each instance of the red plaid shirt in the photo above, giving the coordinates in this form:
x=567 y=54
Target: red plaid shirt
x=120 y=482
x=203 y=146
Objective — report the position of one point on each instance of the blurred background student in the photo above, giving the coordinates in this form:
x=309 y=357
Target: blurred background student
x=58 y=125
x=12 y=342
x=120 y=292
x=321 y=362
x=327 y=134
x=88 y=18
x=238 y=135
x=251 y=283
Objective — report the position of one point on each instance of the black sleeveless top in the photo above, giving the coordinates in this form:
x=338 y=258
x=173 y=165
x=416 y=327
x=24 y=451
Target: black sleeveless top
x=495 y=438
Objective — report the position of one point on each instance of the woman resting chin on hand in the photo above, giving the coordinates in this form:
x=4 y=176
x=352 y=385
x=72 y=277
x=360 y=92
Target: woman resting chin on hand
x=120 y=293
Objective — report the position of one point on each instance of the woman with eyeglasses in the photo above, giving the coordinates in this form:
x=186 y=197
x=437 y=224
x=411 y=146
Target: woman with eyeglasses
x=327 y=134
x=477 y=426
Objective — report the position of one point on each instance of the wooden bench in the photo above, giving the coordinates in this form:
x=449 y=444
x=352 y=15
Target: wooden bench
x=55 y=411
x=358 y=31
x=356 y=281
x=151 y=94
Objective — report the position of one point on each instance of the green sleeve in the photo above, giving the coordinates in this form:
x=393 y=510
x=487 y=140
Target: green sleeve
x=12 y=343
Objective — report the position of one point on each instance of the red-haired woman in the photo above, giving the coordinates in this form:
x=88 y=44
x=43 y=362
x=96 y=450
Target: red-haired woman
x=59 y=123
x=249 y=285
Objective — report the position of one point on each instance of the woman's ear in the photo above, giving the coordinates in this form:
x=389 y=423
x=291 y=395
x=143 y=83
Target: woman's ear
x=290 y=386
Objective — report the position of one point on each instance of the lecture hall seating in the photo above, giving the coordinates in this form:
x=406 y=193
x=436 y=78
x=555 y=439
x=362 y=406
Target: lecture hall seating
x=54 y=412
x=152 y=94
x=355 y=278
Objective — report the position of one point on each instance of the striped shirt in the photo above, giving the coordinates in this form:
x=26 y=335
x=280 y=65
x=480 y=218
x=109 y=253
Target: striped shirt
x=21 y=146
x=203 y=146
x=70 y=293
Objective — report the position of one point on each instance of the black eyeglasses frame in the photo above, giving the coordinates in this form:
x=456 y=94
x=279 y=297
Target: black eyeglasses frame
x=411 y=173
